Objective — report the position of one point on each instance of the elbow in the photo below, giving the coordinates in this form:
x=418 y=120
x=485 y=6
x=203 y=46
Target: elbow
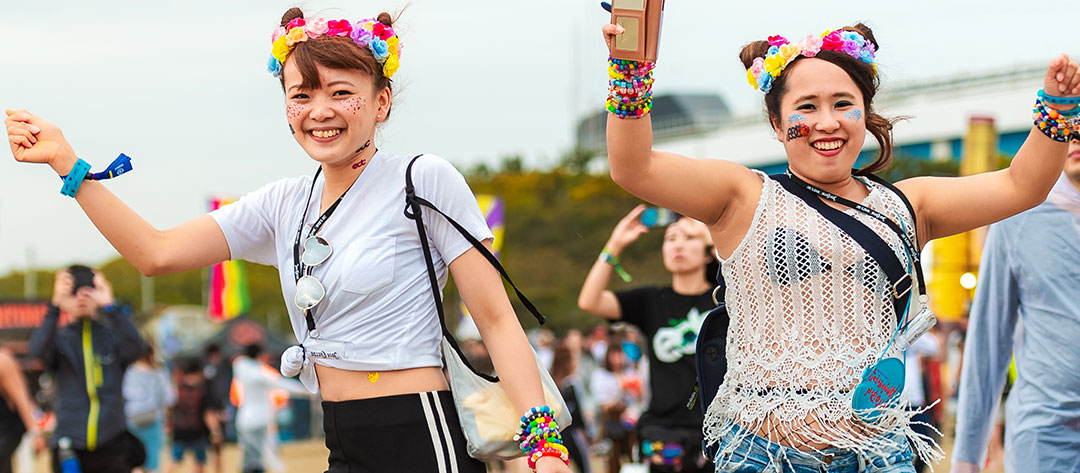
x=152 y=268
x=586 y=304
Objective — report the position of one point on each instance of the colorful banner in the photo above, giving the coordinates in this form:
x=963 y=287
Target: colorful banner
x=229 y=295
x=492 y=206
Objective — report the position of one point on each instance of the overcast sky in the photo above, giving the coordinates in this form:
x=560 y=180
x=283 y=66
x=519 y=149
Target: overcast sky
x=181 y=87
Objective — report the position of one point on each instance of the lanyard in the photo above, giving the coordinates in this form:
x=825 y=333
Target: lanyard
x=913 y=253
x=298 y=265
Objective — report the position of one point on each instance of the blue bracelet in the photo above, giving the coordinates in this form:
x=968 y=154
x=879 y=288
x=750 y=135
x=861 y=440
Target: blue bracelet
x=74 y=179
x=1052 y=99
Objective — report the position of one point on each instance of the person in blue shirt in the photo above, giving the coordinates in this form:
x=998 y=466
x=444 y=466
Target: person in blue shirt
x=1027 y=305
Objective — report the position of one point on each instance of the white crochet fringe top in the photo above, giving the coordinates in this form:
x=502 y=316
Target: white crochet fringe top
x=809 y=311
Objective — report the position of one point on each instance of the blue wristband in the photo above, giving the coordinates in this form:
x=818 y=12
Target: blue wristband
x=74 y=179
x=119 y=166
x=1052 y=99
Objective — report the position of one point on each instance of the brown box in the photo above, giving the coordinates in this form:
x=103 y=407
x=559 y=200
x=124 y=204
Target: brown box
x=642 y=20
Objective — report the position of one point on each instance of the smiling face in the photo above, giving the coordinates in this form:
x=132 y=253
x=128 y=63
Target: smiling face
x=333 y=122
x=821 y=122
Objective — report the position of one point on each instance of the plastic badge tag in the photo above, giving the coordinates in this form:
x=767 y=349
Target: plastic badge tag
x=881 y=385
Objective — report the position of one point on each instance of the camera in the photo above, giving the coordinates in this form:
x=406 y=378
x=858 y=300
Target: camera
x=83 y=276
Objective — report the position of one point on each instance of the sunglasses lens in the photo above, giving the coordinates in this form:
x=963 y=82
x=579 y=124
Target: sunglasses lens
x=316 y=250
x=309 y=292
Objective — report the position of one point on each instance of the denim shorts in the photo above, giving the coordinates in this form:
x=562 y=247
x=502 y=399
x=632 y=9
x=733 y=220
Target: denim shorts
x=755 y=454
x=197 y=447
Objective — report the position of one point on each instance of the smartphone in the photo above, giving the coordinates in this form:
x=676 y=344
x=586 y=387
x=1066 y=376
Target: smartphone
x=84 y=277
x=658 y=217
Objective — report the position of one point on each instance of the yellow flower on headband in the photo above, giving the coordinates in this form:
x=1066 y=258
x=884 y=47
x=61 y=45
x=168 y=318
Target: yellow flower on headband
x=788 y=51
x=294 y=36
x=751 y=79
x=280 y=49
x=392 y=45
x=774 y=64
x=391 y=65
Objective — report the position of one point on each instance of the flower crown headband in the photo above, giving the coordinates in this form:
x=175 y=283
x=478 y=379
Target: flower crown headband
x=781 y=52
x=385 y=46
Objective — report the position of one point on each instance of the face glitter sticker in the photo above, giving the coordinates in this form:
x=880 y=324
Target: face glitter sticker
x=293 y=110
x=796 y=118
x=854 y=115
x=798 y=131
x=354 y=104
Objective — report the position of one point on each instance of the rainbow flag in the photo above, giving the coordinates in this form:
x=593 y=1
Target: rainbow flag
x=492 y=206
x=229 y=295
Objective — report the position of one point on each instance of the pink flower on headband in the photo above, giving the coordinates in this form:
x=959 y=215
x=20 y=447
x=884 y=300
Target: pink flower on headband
x=832 y=42
x=382 y=31
x=278 y=32
x=777 y=40
x=317 y=27
x=294 y=23
x=339 y=28
x=810 y=45
x=757 y=66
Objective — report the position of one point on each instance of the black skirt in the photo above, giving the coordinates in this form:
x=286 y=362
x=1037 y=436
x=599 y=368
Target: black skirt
x=403 y=433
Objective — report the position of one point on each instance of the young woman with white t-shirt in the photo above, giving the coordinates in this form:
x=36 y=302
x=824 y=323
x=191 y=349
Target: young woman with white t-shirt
x=372 y=343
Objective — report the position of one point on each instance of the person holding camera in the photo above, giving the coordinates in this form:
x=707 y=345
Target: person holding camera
x=813 y=377
x=87 y=358
x=670 y=317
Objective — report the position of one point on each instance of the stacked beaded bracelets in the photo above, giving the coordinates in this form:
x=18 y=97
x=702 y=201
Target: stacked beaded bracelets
x=630 y=88
x=1057 y=124
x=539 y=436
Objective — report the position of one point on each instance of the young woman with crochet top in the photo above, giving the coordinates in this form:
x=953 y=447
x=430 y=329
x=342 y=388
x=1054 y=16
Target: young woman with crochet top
x=350 y=261
x=810 y=310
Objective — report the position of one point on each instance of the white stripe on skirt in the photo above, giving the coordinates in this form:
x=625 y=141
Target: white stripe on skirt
x=434 y=432
x=446 y=434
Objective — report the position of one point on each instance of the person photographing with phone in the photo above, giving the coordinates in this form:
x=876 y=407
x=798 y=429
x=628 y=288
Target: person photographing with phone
x=87 y=358
x=670 y=317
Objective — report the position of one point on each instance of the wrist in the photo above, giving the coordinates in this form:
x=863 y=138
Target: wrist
x=63 y=164
x=612 y=249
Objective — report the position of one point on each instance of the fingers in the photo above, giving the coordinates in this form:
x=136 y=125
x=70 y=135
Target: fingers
x=635 y=212
x=23 y=130
x=610 y=30
x=1066 y=76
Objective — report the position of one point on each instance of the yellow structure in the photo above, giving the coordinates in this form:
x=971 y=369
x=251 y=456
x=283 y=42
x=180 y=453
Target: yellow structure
x=956 y=255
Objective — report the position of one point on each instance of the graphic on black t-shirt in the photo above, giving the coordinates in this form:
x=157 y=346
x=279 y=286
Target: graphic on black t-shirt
x=670 y=322
x=671 y=343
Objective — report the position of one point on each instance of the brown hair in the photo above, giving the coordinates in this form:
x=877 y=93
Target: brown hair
x=860 y=72
x=334 y=52
x=562 y=364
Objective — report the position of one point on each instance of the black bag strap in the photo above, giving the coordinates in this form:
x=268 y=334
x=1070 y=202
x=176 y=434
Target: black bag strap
x=899 y=279
x=413 y=211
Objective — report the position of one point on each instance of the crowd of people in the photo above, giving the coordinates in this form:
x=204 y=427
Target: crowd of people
x=819 y=271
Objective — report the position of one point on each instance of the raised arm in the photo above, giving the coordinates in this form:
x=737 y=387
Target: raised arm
x=191 y=245
x=698 y=188
x=950 y=205
x=595 y=297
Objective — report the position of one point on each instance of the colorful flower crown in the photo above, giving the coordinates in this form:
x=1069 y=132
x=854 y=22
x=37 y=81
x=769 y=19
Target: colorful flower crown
x=370 y=33
x=781 y=52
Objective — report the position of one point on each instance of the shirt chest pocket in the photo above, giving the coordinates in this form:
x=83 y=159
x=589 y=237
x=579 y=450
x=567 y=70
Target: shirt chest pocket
x=367 y=265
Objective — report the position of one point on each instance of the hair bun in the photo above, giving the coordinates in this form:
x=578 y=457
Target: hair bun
x=290 y=15
x=865 y=32
x=751 y=51
x=385 y=19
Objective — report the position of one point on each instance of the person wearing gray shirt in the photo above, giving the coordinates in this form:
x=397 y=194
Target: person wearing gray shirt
x=1027 y=305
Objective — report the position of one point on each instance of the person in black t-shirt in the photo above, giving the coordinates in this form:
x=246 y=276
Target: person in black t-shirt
x=670 y=317
x=191 y=416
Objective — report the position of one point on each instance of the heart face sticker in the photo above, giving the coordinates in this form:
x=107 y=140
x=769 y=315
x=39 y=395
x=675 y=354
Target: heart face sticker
x=316 y=250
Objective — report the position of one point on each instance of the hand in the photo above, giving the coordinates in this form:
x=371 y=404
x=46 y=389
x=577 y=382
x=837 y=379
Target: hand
x=34 y=140
x=627 y=231
x=62 y=287
x=102 y=291
x=39 y=444
x=611 y=30
x=551 y=465
x=1062 y=80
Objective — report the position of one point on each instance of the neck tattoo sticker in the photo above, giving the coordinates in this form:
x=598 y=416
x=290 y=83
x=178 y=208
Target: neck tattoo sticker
x=854 y=115
x=797 y=131
x=354 y=105
x=293 y=110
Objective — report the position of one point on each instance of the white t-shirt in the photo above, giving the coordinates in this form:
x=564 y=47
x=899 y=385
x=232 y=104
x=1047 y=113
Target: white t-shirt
x=378 y=297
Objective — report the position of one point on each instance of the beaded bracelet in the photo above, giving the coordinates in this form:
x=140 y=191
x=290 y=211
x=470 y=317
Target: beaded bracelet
x=1057 y=125
x=630 y=88
x=558 y=451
